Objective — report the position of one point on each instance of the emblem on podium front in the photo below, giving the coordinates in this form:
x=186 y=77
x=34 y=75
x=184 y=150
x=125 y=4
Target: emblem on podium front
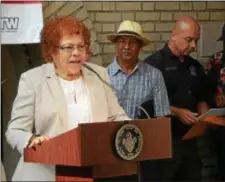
x=128 y=142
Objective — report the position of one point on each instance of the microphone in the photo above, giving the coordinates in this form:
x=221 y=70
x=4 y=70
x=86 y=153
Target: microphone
x=115 y=91
x=105 y=82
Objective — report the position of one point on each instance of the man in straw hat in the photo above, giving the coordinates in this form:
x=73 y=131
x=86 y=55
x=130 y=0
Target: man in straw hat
x=216 y=86
x=140 y=87
x=185 y=82
x=136 y=82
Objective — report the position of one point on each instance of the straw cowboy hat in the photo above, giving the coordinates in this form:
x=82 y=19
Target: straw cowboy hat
x=129 y=28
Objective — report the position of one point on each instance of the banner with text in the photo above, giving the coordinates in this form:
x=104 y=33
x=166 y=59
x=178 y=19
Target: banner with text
x=21 y=22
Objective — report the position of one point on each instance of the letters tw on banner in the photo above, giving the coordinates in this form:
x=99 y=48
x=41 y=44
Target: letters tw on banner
x=21 y=22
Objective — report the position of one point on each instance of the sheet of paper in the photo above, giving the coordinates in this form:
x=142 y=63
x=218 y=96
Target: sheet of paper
x=214 y=112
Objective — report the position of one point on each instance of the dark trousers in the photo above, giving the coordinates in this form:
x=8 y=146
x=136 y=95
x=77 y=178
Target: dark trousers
x=219 y=138
x=185 y=165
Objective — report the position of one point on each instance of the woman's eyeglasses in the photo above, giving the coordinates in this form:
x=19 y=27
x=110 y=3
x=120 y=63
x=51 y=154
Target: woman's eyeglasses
x=71 y=48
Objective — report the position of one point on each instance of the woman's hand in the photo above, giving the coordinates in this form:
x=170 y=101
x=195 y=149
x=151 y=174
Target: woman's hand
x=38 y=140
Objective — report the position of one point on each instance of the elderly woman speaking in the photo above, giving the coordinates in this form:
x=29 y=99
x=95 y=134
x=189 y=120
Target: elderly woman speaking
x=54 y=97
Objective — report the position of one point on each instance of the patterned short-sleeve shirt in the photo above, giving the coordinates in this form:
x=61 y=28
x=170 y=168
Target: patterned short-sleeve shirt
x=216 y=69
x=143 y=84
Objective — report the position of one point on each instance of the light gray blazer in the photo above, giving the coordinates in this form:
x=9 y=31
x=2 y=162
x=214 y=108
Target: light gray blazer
x=3 y=176
x=40 y=108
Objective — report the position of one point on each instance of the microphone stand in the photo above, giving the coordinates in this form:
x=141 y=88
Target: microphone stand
x=137 y=105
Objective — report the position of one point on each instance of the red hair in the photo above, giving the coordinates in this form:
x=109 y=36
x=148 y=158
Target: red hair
x=55 y=29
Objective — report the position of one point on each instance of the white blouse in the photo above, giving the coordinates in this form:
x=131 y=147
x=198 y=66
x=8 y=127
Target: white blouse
x=78 y=104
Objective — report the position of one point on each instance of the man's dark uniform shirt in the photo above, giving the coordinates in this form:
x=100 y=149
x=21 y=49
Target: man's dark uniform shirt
x=185 y=82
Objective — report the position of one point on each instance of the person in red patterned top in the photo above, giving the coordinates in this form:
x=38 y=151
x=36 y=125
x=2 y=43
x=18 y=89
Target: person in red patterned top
x=216 y=78
x=216 y=81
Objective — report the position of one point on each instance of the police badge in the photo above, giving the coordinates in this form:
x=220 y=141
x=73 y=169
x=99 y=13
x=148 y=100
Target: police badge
x=128 y=142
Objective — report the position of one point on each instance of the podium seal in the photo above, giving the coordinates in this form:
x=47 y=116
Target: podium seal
x=128 y=142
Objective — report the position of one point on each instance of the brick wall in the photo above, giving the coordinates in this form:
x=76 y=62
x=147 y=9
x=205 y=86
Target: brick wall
x=157 y=19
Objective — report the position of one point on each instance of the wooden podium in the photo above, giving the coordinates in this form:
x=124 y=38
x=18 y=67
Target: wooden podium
x=87 y=152
x=200 y=128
